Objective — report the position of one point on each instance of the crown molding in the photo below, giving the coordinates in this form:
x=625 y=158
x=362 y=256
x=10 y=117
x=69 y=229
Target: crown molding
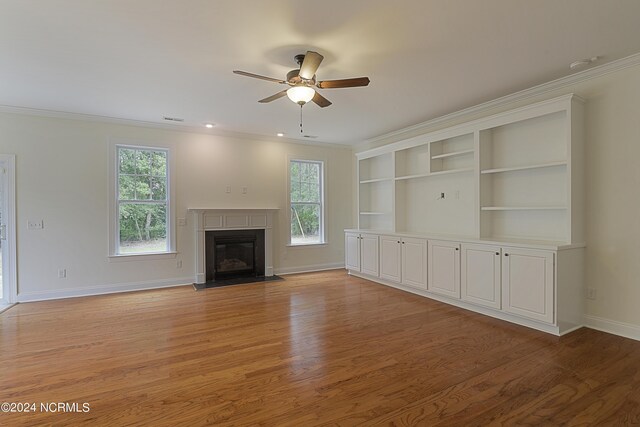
x=10 y=109
x=541 y=89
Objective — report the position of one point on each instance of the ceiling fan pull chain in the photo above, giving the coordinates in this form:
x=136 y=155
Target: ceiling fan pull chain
x=301 y=118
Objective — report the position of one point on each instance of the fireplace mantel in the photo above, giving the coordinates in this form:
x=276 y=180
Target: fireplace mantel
x=207 y=219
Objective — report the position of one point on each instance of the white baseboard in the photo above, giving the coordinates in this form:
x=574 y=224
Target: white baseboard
x=103 y=289
x=623 y=329
x=5 y=307
x=308 y=268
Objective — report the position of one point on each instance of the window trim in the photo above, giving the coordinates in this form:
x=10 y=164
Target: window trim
x=114 y=231
x=323 y=198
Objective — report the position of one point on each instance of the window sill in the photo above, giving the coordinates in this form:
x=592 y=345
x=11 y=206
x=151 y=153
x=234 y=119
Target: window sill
x=306 y=245
x=143 y=257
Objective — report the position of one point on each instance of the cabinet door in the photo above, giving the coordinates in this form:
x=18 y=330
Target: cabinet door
x=352 y=251
x=390 y=258
x=414 y=262
x=369 y=254
x=480 y=275
x=527 y=283
x=444 y=268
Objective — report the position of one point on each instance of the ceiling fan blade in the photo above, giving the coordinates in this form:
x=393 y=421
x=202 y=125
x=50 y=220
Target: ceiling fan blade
x=274 y=97
x=258 y=76
x=334 y=84
x=310 y=64
x=321 y=100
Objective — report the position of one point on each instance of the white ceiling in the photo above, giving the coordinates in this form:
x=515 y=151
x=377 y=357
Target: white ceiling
x=145 y=59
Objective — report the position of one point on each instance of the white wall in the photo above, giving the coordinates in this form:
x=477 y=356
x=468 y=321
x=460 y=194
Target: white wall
x=62 y=178
x=612 y=117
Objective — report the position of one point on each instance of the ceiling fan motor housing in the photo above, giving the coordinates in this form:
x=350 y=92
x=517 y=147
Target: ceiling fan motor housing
x=293 y=77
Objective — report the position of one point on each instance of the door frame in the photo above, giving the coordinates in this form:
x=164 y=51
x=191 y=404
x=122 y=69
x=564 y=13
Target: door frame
x=9 y=277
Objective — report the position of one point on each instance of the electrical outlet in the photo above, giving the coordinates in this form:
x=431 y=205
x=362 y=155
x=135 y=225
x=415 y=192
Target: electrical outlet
x=244 y=190
x=228 y=189
x=591 y=293
x=179 y=264
x=182 y=222
x=457 y=194
x=62 y=273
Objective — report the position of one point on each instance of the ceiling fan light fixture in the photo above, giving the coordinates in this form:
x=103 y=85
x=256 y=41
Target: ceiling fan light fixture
x=301 y=94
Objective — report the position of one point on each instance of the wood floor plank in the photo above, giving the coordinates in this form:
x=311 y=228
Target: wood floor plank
x=315 y=349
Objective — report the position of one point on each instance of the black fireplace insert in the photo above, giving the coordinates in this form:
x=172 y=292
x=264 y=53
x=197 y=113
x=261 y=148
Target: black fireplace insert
x=234 y=253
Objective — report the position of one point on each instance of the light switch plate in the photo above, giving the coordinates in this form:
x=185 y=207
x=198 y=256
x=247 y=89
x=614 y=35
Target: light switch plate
x=35 y=224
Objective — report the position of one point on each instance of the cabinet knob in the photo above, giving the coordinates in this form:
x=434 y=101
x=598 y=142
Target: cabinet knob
x=398 y=241
x=497 y=253
x=457 y=249
x=403 y=243
x=506 y=254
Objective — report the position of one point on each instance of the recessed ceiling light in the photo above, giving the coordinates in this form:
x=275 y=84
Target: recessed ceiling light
x=583 y=62
x=280 y=134
x=209 y=125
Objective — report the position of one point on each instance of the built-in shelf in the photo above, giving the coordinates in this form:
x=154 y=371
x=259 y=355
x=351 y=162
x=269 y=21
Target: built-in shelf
x=418 y=175
x=451 y=171
x=368 y=181
x=521 y=168
x=522 y=208
x=453 y=154
x=516 y=174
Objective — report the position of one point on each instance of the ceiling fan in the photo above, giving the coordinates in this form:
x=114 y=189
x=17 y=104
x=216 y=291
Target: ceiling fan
x=303 y=82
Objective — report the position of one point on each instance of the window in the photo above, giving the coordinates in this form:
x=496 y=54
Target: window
x=306 y=201
x=142 y=201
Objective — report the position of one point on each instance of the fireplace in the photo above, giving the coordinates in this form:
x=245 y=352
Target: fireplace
x=207 y=220
x=234 y=253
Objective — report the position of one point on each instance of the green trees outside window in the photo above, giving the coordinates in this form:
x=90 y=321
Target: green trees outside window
x=306 y=181
x=142 y=200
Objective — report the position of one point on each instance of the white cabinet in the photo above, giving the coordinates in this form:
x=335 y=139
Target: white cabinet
x=369 y=254
x=539 y=287
x=527 y=283
x=390 y=258
x=480 y=274
x=404 y=260
x=414 y=262
x=444 y=268
x=352 y=251
x=361 y=253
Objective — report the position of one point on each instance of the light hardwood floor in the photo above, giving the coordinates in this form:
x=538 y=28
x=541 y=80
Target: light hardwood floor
x=319 y=348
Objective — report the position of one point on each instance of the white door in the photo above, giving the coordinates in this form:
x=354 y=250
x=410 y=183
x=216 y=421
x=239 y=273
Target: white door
x=7 y=231
x=390 y=258
x=480 y=275
x=352 y=251
x=444 y=268
x=414 y=262
x=369 y=254
x=527 y=283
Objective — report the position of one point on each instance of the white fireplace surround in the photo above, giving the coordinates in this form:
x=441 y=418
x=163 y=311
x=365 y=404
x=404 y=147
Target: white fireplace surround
x=232 y=219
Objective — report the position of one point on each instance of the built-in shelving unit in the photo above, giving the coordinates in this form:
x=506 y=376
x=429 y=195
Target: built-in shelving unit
x=486 y=215
x=508 y=176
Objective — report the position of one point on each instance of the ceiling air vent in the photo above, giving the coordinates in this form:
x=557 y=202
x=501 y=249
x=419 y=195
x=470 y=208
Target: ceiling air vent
x=310 y=136
x=173 y=119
